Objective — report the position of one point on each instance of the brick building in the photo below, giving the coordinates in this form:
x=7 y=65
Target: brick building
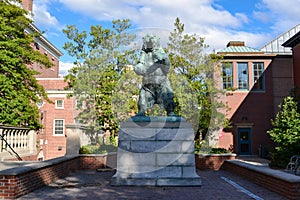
x=294 y=44
x=54 y=117
x=256 y=81
x=51 y=140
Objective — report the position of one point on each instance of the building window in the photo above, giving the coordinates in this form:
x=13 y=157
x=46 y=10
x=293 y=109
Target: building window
x=243 y=80
x=58 y=127
x=37 y=46
x=227 y=75
x=59 y=104
x=258 y=76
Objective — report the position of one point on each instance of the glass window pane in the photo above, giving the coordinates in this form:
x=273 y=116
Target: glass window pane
x=227 y=75
x=58 y=126
x=59 y=103
x=242 y=75
x=258 y=76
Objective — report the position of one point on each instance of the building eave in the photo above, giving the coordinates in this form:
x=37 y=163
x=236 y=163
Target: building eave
x=248 y=55
x=32 y=27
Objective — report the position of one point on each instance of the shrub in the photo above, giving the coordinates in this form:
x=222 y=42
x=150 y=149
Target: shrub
x=104 y=145
x=203 y=147
x=84 y=150
x=285 y=133
x=219 y=151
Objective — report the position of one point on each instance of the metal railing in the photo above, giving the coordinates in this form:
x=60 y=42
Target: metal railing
x=294 y=164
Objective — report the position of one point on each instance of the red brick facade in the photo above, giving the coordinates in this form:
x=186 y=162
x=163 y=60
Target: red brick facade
x=46 y=72
x=42 y=45
x=27 y=5
x=251 y=110
x=296 y=63
x=54 y=145
x=212 y=161
x=294 y=44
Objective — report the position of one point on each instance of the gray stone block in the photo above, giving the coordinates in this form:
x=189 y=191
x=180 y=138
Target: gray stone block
x=135 y=159
x=133 y=182
x=154 y=122
x=137 y=134
x=135 y=171
x=176 y=146
x=147 y=146
x=179 y=182
x=157 y=153
x=167 y=159
x=124 y=145
x=161 y=172
x=175 y=134
x=187 y=182
x=189 y=172
x=188 y=147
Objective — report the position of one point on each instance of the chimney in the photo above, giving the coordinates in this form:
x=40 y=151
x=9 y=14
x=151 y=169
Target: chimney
x=27 y=5
x=235 y=43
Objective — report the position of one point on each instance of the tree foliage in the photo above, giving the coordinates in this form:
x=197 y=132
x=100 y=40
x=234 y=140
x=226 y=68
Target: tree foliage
x=286 y=132
x=190 y=60
x=100 y=57
x=19 y=89
x=125 y=100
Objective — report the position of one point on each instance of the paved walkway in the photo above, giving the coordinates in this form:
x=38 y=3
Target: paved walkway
x=90 y=184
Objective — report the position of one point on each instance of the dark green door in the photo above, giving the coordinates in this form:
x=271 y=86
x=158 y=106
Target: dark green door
x=244 y=137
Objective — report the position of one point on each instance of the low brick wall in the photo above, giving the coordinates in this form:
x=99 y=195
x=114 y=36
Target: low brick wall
x=18 y=181
x=212 y=161
x=285 y=184
x=25 y=158
x=96 y=161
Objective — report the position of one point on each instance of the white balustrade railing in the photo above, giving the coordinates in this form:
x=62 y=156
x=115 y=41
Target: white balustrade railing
x=16 y=140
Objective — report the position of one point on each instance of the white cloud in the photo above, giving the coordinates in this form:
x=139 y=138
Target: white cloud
x=64 y=67
x=198 y=16
x=160 y=13
x=285 y=14
x=261 y=16
x=42 y=16
x=218 y=39
x=204 y=17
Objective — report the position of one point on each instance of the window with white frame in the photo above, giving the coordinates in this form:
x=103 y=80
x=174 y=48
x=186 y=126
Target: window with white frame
x=227 y=75
x=243 y=79
x=59 y=104
x=58 y=127
x=258 y=76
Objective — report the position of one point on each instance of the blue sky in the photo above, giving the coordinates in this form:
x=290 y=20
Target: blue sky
x=219 y=21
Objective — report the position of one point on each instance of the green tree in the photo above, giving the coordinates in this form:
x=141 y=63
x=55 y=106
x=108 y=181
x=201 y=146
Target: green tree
x=19 y=90
x=285 y=132
x=100 y=57
x=190 y=60
x=125 y=101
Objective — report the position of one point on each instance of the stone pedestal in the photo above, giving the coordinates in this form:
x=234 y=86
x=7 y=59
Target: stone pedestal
x=156 y=151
